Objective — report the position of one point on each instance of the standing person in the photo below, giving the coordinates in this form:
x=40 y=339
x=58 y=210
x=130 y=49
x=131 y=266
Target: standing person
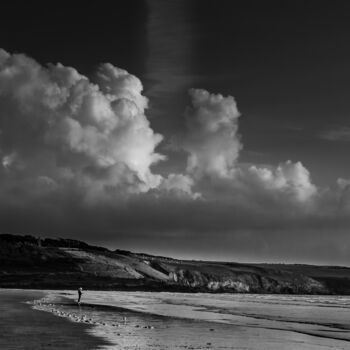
x=80 y=292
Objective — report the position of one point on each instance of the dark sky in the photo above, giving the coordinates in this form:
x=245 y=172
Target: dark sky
x=268 y=185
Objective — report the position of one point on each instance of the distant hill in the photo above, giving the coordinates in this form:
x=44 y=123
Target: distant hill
x=30 y=262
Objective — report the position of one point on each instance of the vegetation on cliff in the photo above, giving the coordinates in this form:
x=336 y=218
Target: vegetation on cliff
x=30 y=262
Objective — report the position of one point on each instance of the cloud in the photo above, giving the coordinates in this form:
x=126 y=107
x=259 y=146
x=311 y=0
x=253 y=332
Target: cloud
x=341 y=133
x=62 y=133
x=57 y=124
x=212 y=139
x=179 y=185
x=293 y=179
x=76 y=156
x=213 y=145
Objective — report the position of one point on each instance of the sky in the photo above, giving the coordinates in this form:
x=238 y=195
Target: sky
x=195 y=129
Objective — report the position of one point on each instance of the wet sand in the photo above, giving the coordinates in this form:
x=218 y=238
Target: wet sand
x=21 y=327
x=143 y=320
x=171 y=321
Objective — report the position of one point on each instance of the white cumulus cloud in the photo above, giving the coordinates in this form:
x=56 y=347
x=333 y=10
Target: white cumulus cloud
x=213 y=145
x=212 y=139
x=58 y=125
x=291 y=178
x=67 y=140
x=179 y=185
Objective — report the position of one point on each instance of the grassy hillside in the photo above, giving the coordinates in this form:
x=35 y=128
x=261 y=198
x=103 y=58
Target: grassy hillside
x=28 y=262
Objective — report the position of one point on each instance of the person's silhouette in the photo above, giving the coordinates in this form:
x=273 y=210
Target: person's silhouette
x=80 y=292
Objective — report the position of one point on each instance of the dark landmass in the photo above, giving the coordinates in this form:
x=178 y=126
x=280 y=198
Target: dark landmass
x=30 y=262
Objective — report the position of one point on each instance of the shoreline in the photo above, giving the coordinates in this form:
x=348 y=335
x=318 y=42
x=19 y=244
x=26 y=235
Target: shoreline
x=148 y=310
x=168 y=321
x=23 y=327
x=181 y=290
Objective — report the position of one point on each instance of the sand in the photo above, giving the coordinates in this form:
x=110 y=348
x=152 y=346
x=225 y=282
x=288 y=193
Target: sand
x=140 y=320
x=21 y=327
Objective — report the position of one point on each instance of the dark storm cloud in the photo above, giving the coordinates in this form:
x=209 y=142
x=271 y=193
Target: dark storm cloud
x=220 y=229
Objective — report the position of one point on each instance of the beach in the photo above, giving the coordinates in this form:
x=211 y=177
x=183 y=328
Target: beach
x=146 y=320
x=22 y=327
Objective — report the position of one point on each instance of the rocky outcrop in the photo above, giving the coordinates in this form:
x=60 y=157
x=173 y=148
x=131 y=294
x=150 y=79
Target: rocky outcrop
x=249 y=283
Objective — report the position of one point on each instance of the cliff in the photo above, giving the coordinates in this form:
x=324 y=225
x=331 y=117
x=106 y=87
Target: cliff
x=29 y=262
